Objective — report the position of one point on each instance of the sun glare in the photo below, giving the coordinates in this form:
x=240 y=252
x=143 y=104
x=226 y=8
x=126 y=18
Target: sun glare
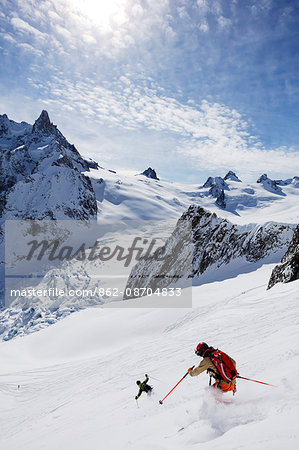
x=105 y=13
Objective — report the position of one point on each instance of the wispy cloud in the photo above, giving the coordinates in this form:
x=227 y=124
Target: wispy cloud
x=25 y=27
x=130 y=22
x=8 y=37
x=176 y=70
x=29 y=48
x=209 y=134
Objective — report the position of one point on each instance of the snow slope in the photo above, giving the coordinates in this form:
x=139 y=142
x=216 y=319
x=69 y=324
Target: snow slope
x=77 y=378
x=126 y=196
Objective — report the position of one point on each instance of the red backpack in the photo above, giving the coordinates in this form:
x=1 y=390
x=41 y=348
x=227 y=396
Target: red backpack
x=224 y=365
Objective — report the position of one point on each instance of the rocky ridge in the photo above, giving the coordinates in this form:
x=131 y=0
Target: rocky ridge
x=288 y=269
x=150 y=173
x=216 y=243
x=218 y=187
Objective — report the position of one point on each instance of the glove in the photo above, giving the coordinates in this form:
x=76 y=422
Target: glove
x=136 y=398
x=189 y=370
x=146 y=375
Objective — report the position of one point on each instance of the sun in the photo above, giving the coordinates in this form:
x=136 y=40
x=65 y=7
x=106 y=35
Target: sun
x=106 y=14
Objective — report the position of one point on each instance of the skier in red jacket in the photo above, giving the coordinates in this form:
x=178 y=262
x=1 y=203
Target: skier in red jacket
x=218 y=365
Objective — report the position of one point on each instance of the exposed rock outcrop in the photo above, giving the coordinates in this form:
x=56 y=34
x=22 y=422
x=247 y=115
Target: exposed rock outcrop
x=150 y=173
x=269 y=185
x=217 y=187
x=232 y=176
x=288 y=269
x=216 y=242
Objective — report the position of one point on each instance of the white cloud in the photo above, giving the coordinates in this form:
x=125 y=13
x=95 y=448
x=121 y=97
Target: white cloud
x=224 y=22
x=211 y=134
x=25 y=27
x=88 y=38
x=232 y=153
x=63 y=32
x=133 y=25
x=204 y=27
x=203 y=6
x=8 y=37
x=31 y=49
x=261 y=7
x=137 y=11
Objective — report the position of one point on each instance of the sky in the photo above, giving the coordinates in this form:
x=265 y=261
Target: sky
x=191 y=88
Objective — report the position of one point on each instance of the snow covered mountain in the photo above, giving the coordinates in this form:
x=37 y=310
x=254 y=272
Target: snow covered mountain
x=220 y=250
x=123 y=196
x=43 y=176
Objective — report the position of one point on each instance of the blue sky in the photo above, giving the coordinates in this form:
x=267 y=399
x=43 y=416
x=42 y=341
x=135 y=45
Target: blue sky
x=191 y=87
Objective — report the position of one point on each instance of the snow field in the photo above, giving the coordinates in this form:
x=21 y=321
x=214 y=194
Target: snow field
x=78 y=376
x=124 y=196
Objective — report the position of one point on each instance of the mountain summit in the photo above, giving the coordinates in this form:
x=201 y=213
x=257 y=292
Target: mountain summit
x=42 y=173
x=43 y=124
x=150 y=173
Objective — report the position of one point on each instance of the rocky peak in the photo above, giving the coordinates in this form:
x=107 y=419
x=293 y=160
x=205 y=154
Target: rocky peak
x=39 y=166
x=209 y=182
x=150 y=173
x=232 y=176
x=43 y=124
x=3 y=119
x=217 y=186
x=263 y=178
x=269 y=185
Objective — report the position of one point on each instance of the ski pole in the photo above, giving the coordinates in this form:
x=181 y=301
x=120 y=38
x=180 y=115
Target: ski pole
x=255 y=381
x=161 y=401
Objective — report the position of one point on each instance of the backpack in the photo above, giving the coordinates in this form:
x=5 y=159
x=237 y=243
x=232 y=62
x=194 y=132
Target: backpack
x=224 y=365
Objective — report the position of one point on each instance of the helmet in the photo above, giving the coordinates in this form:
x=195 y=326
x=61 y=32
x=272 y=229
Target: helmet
x=138 y=382
x=201 y=348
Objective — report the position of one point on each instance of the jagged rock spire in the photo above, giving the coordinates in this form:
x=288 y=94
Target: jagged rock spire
x=150 y=173
x=231 y=176
x=43 y=124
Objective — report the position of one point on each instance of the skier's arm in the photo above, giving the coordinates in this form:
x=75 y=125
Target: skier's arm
x=205 y=364
x=146 y=379
x=139 y=393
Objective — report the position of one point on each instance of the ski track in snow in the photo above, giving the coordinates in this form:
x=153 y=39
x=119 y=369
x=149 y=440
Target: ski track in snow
x=77 y=377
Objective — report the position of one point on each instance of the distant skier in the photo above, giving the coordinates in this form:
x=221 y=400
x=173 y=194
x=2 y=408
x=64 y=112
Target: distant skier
x=143 y=387
x=218 y=365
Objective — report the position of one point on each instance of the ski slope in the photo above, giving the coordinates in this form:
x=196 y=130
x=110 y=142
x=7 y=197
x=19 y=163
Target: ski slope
x=77 y=377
